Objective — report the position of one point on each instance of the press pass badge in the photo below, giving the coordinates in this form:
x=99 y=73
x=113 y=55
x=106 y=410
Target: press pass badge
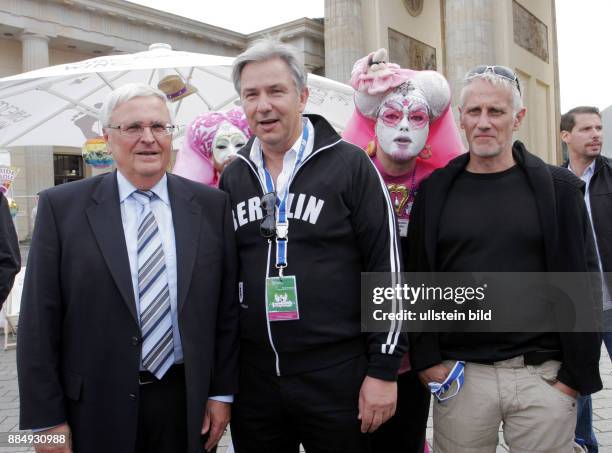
x=281 y=298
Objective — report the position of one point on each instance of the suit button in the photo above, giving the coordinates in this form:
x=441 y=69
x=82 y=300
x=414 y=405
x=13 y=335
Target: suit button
x=132 y=396
x=135 y=341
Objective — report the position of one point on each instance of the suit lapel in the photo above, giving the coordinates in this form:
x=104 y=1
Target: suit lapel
x=186 y=217
x=105 y=219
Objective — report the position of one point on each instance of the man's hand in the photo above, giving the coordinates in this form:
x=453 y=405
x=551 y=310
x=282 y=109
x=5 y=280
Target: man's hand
x=565 y=389
x=437 y=373
x=63 y=433
x=216 y=417
x=377 y=400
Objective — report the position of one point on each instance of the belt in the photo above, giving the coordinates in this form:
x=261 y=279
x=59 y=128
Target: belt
x=532 y=358
x=539 y=357
x=146 y=377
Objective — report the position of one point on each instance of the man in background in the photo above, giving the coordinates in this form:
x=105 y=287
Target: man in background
x=582 y=132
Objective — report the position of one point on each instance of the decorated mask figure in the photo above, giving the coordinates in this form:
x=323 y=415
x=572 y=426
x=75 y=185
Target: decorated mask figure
x=402 y=112
x=402 y=123
x=228 y=140
x=403 y=120
x=211 y=142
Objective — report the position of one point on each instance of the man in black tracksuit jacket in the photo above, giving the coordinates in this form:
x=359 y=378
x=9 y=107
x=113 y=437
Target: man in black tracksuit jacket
x=308 y=374
x=342 y=225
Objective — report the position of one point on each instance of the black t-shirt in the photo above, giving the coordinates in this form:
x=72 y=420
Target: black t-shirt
x=490 y=223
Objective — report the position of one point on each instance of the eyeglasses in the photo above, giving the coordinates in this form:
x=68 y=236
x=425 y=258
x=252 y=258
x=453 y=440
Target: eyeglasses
x=267 y=227
x=137 y=130
x=501 y=71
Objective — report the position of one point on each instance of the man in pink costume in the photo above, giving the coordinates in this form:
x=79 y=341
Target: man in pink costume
x=403 y=120
x=211 y=142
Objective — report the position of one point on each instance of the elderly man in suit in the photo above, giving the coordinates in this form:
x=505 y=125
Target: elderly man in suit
x=128 y=339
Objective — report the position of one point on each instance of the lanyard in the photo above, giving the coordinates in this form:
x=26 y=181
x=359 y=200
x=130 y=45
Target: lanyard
x=282 y=223
x=456 y=374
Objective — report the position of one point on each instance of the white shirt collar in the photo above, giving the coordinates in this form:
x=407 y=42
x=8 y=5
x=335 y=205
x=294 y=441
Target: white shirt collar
x=256 y=152
x=126 y=188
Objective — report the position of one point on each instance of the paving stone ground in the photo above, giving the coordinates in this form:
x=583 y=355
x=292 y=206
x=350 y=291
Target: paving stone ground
x=9 y=405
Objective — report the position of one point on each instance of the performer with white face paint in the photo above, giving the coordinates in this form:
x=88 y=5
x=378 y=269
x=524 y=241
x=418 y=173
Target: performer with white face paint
x=228 y=140
x=402 y=124
x=402 y=118
x=211 y=142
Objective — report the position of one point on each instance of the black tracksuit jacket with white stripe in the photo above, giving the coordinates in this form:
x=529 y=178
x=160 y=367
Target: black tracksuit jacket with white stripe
x=341 y=223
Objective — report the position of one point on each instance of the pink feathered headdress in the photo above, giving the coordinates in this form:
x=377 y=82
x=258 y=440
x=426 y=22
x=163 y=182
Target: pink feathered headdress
x=195 y=160
x=443 y=141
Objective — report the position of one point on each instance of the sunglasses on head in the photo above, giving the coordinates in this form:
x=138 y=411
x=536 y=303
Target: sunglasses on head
x=501 y=71
x=267 y=227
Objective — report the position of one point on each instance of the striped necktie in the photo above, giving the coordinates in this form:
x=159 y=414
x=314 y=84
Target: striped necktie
x=154 y=294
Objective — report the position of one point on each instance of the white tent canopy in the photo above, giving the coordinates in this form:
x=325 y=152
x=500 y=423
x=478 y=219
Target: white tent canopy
x=59 y=105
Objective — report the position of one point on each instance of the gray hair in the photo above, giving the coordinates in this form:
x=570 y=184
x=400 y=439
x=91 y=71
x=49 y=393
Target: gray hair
x=268 y=49
x=494 y=79
x=127 y=92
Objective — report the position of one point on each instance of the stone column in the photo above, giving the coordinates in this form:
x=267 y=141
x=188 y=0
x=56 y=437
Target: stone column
x=35 y=162
x=470 y=39
x=34 y=51
x=343 y=38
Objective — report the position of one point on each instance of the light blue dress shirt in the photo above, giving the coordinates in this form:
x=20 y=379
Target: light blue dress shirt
x=160 y=206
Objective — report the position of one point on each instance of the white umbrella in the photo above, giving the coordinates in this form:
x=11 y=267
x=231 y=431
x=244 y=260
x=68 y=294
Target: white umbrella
x=59 y=105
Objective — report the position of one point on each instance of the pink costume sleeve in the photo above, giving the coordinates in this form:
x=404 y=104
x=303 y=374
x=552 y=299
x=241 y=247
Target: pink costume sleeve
x=444 y=140
x=191 y=164
x=359 y=129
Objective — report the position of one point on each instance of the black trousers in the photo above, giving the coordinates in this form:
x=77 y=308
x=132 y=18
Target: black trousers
x=405 y=431
x=317 y=409
x=162 y=414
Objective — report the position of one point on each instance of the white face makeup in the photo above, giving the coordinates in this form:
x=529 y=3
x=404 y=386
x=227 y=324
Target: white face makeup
x=227 y=142
x=402 y=126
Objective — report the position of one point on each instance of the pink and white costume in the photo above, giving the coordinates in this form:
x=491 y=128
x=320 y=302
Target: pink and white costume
x=197 y=158
x=428 y=88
